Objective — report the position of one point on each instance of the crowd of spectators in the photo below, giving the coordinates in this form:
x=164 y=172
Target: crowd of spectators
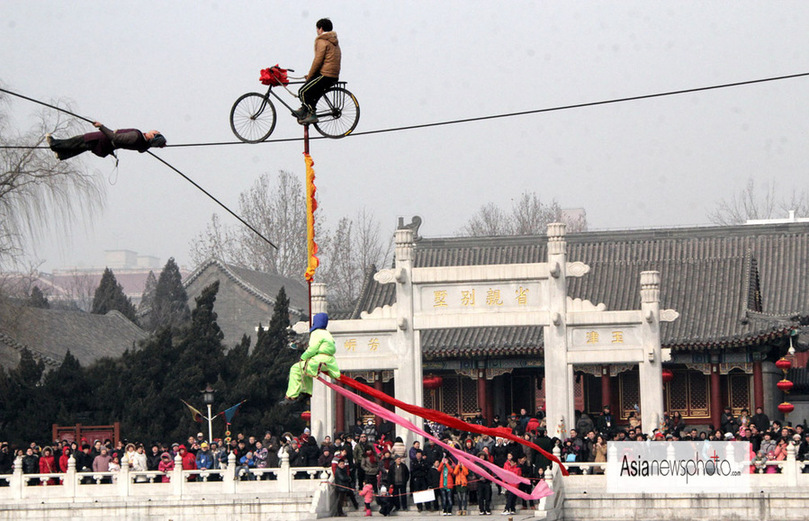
x=371 y=463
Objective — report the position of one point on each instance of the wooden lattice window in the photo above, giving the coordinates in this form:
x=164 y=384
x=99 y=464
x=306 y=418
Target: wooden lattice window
x=629 y=390
x=688 y=393
x=738 y=392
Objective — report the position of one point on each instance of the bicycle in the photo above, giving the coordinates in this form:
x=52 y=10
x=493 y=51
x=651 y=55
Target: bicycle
x=253 y=115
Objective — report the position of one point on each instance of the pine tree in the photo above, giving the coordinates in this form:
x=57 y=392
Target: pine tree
x=170 y=306
x=201 y=355
x=265 y=378
x=110 y=296
x=147 y=298
x=38 y=299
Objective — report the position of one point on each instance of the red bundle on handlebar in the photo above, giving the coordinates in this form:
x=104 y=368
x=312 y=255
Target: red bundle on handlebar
x=274 y=75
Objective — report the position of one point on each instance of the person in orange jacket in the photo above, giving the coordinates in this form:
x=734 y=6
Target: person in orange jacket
x=446 y=482
x=461 y=484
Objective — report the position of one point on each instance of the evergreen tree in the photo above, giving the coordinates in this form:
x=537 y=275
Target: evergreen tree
x=264 y=381
x=38 y=299
x=147 y=298
x=67 y=388
x=25 y=419
x=170 y=305
x=109 y=296
x=201 y=356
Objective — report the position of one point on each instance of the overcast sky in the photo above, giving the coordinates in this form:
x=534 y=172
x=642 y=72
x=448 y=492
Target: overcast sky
x=178 y=67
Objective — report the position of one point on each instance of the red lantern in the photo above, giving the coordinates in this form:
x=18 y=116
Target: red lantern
x=667 y=376
x=433 y=382
x=786 y=407
x=783 y=364
x=306 y=416
x=785 y=385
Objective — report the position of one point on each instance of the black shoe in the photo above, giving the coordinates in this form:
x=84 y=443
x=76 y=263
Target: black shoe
x=287 y=401
x=310 y=118
x=300 y=113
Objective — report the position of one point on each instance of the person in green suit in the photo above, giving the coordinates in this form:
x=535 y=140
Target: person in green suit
x=318 y=357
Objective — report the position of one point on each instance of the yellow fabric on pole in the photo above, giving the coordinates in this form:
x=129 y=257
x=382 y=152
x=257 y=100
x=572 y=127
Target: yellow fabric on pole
x=311 y=206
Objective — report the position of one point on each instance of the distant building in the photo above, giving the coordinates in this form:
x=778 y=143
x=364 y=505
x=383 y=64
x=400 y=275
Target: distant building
x=246 y=297
x=50 y=333
x=77 y=285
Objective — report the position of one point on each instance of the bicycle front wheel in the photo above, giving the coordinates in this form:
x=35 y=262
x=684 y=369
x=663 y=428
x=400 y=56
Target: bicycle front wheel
x=337 y=112
x=252 y=118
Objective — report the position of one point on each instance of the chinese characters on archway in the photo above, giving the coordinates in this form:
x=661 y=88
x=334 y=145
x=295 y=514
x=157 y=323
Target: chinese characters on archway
x=459 y=299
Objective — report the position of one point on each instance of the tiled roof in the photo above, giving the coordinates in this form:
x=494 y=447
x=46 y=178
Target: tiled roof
x=49 y=334
x=264 y=286
x=733 y=286
x=481 y=341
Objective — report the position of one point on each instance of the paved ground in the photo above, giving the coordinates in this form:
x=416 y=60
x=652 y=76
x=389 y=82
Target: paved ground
x=413 y=514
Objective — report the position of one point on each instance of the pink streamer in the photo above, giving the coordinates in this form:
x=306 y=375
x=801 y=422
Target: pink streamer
x=507 y=478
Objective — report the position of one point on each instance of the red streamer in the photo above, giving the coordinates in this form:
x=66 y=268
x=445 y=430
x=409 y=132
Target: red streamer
x=449 y=421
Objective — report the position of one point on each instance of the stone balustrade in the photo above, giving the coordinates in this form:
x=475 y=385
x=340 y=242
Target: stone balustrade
x=126 y=485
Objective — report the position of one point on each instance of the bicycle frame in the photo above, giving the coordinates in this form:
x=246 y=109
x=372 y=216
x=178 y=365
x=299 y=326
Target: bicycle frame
x=276 y=96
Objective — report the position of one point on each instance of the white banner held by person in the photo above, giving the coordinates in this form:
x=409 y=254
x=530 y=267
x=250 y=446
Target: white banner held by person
x=423 y=496
x=678 y=466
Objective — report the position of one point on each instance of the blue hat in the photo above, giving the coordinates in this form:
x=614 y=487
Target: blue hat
x=319 y=321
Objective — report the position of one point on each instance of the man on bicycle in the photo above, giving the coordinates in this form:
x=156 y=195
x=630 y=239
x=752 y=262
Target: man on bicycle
x=324 y=73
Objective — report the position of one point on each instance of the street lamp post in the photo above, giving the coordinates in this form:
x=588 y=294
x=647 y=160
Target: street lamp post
x=207 y=398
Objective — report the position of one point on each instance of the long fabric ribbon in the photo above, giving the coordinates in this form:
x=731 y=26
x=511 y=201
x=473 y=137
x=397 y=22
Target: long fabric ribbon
x=311 y=205
x=507 y=478
x=449 y=421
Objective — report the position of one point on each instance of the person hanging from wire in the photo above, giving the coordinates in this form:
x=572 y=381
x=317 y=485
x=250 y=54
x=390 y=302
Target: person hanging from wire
x=319 y=356
x=324 y=73
x=105 y=142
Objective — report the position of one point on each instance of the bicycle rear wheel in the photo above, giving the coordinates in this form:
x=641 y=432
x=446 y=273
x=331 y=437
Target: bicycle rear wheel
x=252 y=118
x=337 y=112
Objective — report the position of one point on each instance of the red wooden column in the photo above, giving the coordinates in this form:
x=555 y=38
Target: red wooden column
x=716 y=397
x=489 y=411
x=340 y=413
x=482 y=394
x=606 y=389
x=758 y=385
x=378 y=387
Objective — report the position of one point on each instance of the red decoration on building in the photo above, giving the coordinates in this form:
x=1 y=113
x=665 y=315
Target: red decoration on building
x=667 y=376
x=306 y=416
x=783 y=364
x=433 y=382
x=785 y=385
x=786 y=407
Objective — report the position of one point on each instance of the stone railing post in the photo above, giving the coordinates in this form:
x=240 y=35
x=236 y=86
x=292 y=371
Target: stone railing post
x=123 y=480
x=229 y=477
x=284 y=474
x=559 y=386
x=651 y=368
x=16 y=479
x=177 y=476
x=791 y=467
x=70 y=481
x=612 y=455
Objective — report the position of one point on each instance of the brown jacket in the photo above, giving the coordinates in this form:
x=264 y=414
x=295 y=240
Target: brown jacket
x=327 y=56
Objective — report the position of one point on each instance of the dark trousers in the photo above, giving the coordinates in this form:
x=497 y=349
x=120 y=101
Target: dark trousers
x=399 y=493
x=446 y=499
x=341 y=494
x=511 y=501
x=67 y=148
x=485 y=497
x=313 y=89
x=416 y=485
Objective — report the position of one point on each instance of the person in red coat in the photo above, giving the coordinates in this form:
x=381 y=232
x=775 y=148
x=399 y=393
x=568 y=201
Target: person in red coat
x=47 y=464
x=189 y=461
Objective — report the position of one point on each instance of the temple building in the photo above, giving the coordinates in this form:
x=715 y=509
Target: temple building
x=732 y=301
